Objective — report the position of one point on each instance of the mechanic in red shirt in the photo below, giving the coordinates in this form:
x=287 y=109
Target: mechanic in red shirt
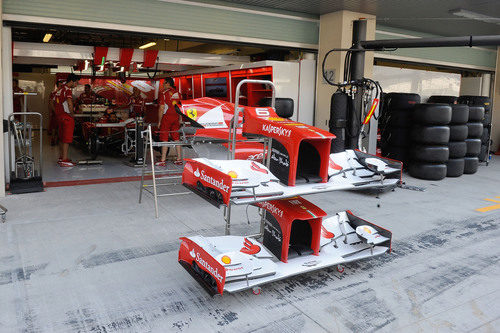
x=136 y=104
x=169 y=121
x=63 y=105
x=86 y=97
x=52 y=115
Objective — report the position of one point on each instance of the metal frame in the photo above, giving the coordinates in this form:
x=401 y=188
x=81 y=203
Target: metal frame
x=169 y=174
x=25 y=150
x=267 y=144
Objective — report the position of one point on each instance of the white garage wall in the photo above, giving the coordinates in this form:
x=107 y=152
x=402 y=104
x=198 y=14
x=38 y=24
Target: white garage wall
x=424 y=83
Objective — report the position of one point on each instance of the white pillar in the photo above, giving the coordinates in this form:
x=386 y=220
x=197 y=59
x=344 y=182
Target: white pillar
x=7 y=101
x=335 y=31
x=2 y=170
x=495 y=122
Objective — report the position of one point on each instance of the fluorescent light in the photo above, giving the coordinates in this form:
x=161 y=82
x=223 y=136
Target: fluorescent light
x=475 y=16
x=86 y=65
x=145 y=46
x=47 y=37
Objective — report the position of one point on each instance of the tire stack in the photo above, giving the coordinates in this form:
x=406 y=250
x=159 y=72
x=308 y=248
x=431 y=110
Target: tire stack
x=485 y=102
x=442 y=99
x=458 y=134
x=430 y=136
x=395 y=124
x=473 y=141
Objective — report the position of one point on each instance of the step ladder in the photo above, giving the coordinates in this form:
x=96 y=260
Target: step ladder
x=168 y=177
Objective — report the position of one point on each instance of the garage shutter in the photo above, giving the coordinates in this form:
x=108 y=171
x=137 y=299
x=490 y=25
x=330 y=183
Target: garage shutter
x=172 y=17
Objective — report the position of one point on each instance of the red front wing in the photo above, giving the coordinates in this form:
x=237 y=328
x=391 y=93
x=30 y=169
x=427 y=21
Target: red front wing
x=202 y=266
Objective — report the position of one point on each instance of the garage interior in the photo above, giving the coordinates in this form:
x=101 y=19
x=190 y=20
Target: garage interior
x=85 y=255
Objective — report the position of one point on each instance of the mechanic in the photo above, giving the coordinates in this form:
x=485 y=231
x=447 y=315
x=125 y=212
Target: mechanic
x=136 y=104
x=63 y=105
x=86 y=97
x=18 y=99
x=169 y=121
x=52 y=115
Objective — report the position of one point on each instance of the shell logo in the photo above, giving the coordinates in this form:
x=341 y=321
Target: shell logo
x=366 y=229
x=232 y=174
x=226 y=260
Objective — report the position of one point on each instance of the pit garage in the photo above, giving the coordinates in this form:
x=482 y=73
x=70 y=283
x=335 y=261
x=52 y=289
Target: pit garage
x=335 y=166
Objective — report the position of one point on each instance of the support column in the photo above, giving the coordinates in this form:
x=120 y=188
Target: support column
x=4 y=85
x=495 y=111
x=336 y=32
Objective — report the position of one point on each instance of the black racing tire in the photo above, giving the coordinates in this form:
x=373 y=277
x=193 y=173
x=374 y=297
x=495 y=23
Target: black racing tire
x=397 y=136
x=470 y=165
x=457 y=149
x=442 y=99
x=475 y=130
x=401 y=100
x=473 y=147
x=476 y=113
x=483 y=101
x=459 y=114
x=433 y=154
x=432 y=114
x=93 y=145
x=483 y=154
x=485 y=137
x=428 y=171
x=455 y=167
x=398 y=118
x=458 y=132
x=431 y=135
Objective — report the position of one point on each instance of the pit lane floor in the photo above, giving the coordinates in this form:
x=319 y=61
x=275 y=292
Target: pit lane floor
x=91 y=259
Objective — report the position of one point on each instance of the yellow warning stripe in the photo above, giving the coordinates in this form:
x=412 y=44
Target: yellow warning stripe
x=489 y=208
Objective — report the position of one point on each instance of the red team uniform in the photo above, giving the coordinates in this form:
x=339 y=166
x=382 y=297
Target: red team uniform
x=170 y=124
x=136 y=107
x=65 y=122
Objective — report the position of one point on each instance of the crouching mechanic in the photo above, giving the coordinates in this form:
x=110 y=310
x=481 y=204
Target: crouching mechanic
x=169 y=121
x=63 y=107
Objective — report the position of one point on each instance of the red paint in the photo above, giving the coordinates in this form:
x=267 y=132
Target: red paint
x=249 y=247
x=190 y=252
x=99 y=181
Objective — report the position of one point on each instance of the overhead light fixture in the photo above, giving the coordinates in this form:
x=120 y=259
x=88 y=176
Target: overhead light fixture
x=47 y=37
x=145 y=46
x=86 y=65
x=475 y=16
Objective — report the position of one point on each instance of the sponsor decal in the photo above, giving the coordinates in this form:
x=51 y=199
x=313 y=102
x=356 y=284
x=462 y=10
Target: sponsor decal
x=217 y=183
x=256 y=157
x=278 y=130
x=326 y=234
x=254 y=166
x=249 y=247
x=226 y=260
x=233 y=174
x=192 y=113
x=334 y=165
x=271 y=208
x=213 y=271
x=271 y=230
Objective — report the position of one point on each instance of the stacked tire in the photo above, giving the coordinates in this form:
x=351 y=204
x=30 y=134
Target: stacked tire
x=473 y=141
x=485 y=102
x=457 y=145
x=430 y=135
x=395 y=125
x=442 y=99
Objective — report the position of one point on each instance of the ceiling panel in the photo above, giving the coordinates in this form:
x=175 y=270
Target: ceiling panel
x=429 y=16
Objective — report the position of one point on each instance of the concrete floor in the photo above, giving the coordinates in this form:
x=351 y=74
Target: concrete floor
x=91 y=259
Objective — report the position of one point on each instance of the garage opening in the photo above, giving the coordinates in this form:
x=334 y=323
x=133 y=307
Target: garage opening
x=114 y=69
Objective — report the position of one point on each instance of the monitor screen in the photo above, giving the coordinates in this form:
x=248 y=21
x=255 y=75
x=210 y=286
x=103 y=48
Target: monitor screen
x=216 y=87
